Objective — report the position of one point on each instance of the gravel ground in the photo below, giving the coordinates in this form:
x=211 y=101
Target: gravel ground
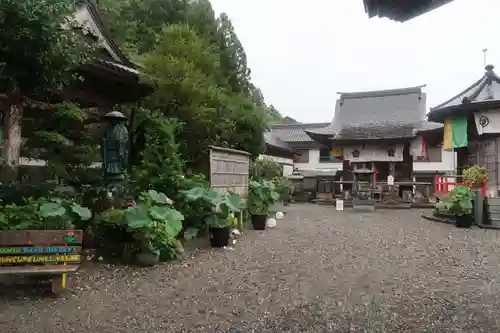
x=317 y=271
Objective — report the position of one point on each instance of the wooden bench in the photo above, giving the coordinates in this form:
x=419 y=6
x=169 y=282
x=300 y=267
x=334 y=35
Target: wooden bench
x=41 y=252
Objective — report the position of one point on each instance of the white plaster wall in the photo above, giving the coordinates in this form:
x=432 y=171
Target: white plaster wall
x=491 y=120
x=448 y=163
x=315 y=164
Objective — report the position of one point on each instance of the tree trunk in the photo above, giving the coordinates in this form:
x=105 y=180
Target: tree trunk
x=12 y=118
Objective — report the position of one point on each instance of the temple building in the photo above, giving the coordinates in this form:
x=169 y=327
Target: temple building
x=109 y=80
x=472 y=126
x=386 y=133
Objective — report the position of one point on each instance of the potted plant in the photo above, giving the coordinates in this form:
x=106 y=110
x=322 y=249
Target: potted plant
x=476 y=176
x=220 y=228
x=460 y=204
x=222 y=219
x=154 y=223
x=261 y=196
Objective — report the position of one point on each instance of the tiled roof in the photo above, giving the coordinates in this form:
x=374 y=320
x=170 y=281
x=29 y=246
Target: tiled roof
x=295 y=132
x=384 y=114
x=271 y=139
x=486 y=90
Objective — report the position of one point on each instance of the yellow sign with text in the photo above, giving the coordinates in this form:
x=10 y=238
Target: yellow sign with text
x=39 y=259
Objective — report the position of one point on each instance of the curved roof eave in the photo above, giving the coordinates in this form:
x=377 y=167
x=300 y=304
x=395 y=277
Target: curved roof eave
x=94 y=12
x=466 y=101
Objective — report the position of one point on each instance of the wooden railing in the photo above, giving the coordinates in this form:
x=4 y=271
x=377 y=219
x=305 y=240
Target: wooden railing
x=444 y=186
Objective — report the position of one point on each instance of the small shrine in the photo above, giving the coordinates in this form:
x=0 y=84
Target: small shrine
x=363 y=189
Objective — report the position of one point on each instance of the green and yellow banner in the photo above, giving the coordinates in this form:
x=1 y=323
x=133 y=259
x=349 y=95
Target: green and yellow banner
x=337 y=151
x=455 y=133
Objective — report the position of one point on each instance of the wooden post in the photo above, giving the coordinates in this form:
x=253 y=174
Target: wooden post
x=374 y=176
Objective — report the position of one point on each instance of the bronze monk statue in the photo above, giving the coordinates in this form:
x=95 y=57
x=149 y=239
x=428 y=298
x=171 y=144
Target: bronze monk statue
x=115 y=147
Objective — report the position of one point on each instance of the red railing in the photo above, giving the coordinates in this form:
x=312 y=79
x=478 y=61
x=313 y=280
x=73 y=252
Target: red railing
x=443 y=186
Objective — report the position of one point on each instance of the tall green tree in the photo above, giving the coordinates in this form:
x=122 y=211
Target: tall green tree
x=233 y=57
x=63 y=140
x=200 y=73
x=41 y=46
x=136 y=24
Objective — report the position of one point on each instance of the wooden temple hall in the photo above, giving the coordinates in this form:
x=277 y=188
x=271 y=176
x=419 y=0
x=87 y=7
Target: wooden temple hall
x=109 y=80
x=390 y=151
x=472 y=126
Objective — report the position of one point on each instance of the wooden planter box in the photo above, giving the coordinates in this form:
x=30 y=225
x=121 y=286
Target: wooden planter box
x=493 y=211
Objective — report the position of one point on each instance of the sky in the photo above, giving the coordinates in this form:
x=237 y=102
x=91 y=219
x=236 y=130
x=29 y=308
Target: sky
x=302 y=53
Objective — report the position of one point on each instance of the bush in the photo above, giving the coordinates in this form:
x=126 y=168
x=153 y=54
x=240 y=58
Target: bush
x=265 y=169
x=44 y=214
x=475 y=175
x=284 y=187
x=150 y=226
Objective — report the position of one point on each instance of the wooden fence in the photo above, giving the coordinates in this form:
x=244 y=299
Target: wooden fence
x=229 y=170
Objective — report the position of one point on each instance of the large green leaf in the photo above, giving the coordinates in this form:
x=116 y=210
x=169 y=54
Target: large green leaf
x=83 y=212
x=50 y=209
x=216 y=221
x=157 y=197
x=174 y=225
x=195 y=193
x=466 y=204
x=137 y=217
x=169 y=217
x=233 y=202
x=213 y=197
x=160 y=212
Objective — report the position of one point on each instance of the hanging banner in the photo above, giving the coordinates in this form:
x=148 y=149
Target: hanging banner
x=455 y=133
x=418 y=147
x=337 y=151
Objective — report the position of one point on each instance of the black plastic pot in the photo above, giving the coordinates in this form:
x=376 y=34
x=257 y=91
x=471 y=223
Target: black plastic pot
x=219 y=237
x=259 y=222
x=463 y=221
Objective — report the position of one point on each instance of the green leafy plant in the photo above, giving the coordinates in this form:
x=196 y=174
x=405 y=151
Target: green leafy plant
x=261 y=196
x=223 y=206
x=154 y=222
x=475 y=175
x=265 y=169
x=284 y=187
x=44 y=214
x=460 y=201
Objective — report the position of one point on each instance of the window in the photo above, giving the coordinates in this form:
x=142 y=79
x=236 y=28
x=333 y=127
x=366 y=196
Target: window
x=434 y=154
x=325 y=155
x=301 y=156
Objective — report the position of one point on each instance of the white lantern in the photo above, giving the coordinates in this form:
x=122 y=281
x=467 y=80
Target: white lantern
x=271 y=223
x=279 y=215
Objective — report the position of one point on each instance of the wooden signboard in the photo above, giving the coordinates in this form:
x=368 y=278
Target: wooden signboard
x=54 y=252
x=229 y=170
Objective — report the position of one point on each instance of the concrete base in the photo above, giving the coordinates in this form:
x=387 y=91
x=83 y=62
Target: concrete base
x=363 y=205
